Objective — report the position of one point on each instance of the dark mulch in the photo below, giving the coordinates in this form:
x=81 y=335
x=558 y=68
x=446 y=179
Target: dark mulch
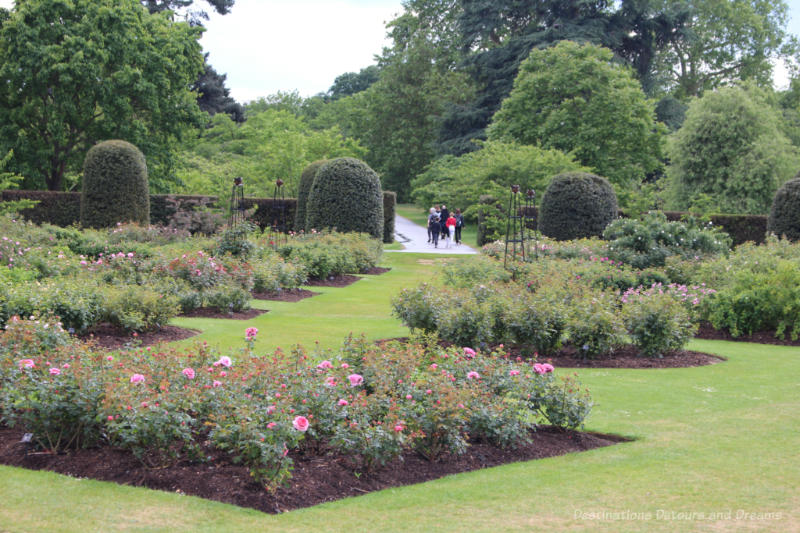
x=285 y=295
x=628 y=357
x=623 y=357
x=316 y=478
x=342 y=280
x=212 y=312
x=112 y=338
x=376 y=271
x=707 y=331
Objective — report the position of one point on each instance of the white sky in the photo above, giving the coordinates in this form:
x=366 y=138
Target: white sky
x=265 y=46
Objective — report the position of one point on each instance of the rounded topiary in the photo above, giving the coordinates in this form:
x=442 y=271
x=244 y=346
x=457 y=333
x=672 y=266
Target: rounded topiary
x=784 y=217
x=306 y=180
x=577 y=205
x=115 y=187
x=346 y=195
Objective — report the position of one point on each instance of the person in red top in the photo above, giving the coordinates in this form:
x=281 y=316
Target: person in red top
x=451 y=227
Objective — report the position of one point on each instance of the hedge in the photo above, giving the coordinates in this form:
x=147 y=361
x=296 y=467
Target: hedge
x=741 y=228
x=389 y=205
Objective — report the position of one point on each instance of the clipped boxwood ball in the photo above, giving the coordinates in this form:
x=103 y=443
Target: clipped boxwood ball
x=784 y=217
x=115 y=187
x=303 y=188
x=346 y=195
x=577 y=205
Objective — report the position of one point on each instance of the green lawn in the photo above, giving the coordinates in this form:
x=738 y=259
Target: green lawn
x=469 y=234
x=715 y=439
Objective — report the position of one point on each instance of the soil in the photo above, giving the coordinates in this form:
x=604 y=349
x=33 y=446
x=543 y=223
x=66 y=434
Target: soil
x=342 y=280
x=374 y=271
x=317 y=478
x=212 y=312
x=707 y=331
x=628 y=357
x=285 y=295
x=112 y=338
x=623 y=357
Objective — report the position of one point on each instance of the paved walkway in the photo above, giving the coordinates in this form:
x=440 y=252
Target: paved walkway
x=415 y=239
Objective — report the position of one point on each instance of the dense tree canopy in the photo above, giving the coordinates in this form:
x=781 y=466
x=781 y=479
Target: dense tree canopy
x=212 y=95
x=86 y=70
x=730 y=155
x=272 y=144
x=574 y=98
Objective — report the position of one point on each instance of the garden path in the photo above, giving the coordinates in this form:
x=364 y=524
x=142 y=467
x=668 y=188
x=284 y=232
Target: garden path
x=415 y=240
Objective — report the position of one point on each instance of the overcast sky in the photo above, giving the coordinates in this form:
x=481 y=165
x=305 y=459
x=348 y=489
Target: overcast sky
x=265 y=46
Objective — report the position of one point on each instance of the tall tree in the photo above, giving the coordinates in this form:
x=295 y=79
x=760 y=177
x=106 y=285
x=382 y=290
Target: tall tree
x=574 y=98
x=725 y=41
x=222 y=7
x=87 y=70
x=351 y=83
x=213 y=97
x=730 y=152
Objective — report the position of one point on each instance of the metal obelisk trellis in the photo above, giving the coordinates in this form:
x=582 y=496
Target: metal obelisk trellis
x=236 y=211
x=515 y=228
x=278 y=227
x=529 y=222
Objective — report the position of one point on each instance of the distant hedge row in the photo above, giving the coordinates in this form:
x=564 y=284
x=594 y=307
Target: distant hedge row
x=741 y=228
x=64 y=208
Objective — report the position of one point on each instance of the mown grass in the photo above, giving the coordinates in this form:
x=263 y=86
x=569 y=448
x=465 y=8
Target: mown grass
x=714 y=439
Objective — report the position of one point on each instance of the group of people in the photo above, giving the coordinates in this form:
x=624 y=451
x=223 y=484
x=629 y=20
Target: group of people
x=445 y=225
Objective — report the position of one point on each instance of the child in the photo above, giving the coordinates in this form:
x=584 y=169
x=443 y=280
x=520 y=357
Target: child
x=451 y=226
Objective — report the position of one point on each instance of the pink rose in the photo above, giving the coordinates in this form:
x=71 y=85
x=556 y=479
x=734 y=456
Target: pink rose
x=224 y=361
x=538 y=368
x=27 y=363
x=188 y=372
x=330 y=381
x=548 y=367
x=216 y=384
x=223 y=374
x=342 y=403
x=355 y=379
x=398 y=428
x=300 y=423
x=325 y=365
x=250 y=333
x=137 y=378
x=408 y=396
x=434 y=366
x=55 y=371
x=469 y=352
x=271 y=409
x=473 y=375
x=345 y=365
x=514 y=373
x=271 y=425
x=429 y=391
x=110 y=417
x=109 y=358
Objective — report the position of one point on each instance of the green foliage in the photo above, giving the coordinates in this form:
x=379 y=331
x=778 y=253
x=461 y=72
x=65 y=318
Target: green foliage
x=136 y=308
x=346 y=195
x=574 y=98
x=273 y=273
x=758 y=289
x=272 y=144
x=657 y=323
x=330 y=254
x=489 y=171
x=595 y=326
x=724 y=41
x=303 y=188
x=72 y=77
x=650 y=241
x=784 y=217
x=577 y=205
x=9 y=180
x=115 y=186
x=233 y=241
x=730 y=148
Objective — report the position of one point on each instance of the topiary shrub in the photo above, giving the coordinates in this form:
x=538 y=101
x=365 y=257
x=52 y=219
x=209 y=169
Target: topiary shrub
x=784 y=217
x=346 y=195
x=303 y=188
x=115 y=187
x=577 y=205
